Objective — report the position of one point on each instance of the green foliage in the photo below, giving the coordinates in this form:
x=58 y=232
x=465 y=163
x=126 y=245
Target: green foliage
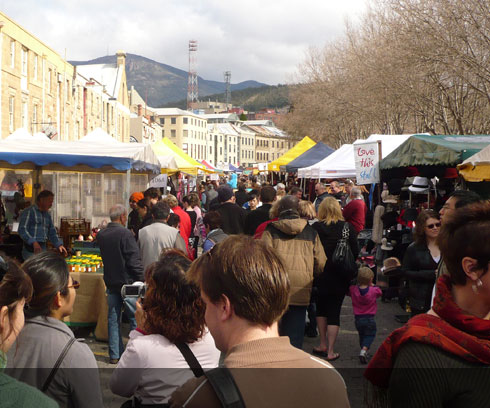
x=243 y=116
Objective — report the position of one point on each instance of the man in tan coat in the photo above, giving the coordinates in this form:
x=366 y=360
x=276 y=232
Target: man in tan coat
x=246 y=289
x=300 y=248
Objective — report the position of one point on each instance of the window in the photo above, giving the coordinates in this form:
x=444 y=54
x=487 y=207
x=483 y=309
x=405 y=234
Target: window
x=11 y=113
x=50 y=72
x=173 y=133
x=24 y=115
x=67 y=131
x=24 y=54
x=186 y=133
x=35 y=67
x=12 y=54
x=173 y=121
x=210 y=150
x=162 y=121
x=67 y=87
x=282 y=145
x=186 y=120
x=77 y=125
x=220 y=150
x=34 y=118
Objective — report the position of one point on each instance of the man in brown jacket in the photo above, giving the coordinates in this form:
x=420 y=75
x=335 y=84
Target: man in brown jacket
x=246 y=289
x=300 y=248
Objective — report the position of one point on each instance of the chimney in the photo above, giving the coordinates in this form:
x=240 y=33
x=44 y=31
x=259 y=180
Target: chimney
x=140 y=109
x=121 y=58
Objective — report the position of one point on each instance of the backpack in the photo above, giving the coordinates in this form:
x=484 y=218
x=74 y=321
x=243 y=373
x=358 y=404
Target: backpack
x=342 y=257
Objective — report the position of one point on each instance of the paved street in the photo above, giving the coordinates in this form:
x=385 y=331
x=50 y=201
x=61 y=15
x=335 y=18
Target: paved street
x=347 y=345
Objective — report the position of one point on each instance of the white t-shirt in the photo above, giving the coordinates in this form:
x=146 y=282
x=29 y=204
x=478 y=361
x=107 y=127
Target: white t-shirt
x=152 y=368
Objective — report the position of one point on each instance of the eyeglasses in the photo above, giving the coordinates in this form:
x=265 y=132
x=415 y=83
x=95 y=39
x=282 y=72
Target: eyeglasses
x=75 y=285
x=431 y=226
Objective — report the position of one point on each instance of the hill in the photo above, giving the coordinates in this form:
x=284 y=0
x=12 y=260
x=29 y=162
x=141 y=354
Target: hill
x=251 y=99
x=161 y=83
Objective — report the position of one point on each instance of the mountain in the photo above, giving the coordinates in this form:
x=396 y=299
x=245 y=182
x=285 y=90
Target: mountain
x=161 y=83
x=250 y=99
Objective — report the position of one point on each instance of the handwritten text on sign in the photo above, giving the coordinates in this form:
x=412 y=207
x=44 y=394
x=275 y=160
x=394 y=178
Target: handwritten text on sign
x=367 y=162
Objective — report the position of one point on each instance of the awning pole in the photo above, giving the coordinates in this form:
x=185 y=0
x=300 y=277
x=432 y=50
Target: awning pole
x=127 y=190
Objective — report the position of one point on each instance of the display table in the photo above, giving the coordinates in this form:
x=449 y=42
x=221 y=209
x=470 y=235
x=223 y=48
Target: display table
x=90 y=308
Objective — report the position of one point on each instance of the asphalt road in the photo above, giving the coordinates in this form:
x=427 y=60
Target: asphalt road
x=347 y=345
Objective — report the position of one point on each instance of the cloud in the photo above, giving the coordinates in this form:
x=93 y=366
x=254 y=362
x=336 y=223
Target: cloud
x=264 y=41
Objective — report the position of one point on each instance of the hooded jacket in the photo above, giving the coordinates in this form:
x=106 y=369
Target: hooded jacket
x=301 y=251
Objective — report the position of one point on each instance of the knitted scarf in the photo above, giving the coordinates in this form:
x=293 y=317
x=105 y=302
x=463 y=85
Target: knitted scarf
x=454 y=331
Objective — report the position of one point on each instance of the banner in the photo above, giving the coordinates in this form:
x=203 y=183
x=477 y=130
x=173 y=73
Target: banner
x=159 y=181
x=367 y=156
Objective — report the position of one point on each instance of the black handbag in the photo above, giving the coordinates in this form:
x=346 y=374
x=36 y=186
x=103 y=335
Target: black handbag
x=342 y=257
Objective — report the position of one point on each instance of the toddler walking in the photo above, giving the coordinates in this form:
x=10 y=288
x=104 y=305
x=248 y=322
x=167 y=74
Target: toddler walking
x=364 y=296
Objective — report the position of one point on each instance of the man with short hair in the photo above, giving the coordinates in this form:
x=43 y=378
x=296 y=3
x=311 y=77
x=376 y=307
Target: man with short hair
x=36 y=227
x=261 y=214
x=210 y=195
x=300 y=248
x=458 y=199
x=296 y=191
x=122 y=265
x=355 y=212
x=158 y=235
x=281 y=190
x=336 y=191
x=321 y=194
x=232 y=216
x=246 y=289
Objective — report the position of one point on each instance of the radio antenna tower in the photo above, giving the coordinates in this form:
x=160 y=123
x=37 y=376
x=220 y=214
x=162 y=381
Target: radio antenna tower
x=227 y=75
x=192 y=88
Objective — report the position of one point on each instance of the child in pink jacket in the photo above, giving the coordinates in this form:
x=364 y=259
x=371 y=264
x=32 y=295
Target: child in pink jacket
x=364 y=296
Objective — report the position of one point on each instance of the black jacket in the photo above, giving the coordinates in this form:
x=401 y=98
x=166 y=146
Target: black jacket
x=232 y=218
x=331 y=281
x=419 y=269
x=256 y=217
x=121 y=256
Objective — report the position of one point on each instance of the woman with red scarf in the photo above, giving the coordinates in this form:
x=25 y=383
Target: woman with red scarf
x=442 y=358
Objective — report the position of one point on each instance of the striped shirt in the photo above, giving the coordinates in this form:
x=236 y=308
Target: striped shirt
x=37 y=226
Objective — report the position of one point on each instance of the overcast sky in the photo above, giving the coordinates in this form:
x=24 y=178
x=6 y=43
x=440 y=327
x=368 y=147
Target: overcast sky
x=262 y=40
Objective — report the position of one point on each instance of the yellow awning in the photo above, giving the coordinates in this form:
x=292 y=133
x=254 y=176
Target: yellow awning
x=477 y=167
x=185 y=163
x=305 y=144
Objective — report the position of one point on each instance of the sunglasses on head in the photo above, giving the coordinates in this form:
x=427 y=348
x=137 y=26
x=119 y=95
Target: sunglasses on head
x=75 y=284
x=436 y=225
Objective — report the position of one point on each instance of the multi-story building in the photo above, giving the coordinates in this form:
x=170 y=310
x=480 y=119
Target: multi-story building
x=211 y=107
x=40 y=91
x=186 y=129
x=246 y=146
x=270 y=142
x=225 y=139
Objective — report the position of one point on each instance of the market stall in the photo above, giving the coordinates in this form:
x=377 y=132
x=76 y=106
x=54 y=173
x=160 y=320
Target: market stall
x=339 y=164
x=477 y=167
x=184 y=162
x=297 y=150
x=313 y=155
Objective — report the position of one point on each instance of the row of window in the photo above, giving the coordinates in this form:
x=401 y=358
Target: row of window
x=262 y=156
x=185 y=121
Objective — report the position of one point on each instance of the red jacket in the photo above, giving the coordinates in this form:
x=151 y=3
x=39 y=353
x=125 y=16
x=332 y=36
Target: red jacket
x=355 y=214
x=261 y=228
x=185 y=227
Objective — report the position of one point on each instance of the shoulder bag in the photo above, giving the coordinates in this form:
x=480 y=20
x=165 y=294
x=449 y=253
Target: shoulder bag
x=342 y=257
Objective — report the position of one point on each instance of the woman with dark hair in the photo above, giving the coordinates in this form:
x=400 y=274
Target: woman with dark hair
x=442 y=358
x=15 y=292
x=143 y=208
x=420 y=261
x=170 y=317
x=46 y=341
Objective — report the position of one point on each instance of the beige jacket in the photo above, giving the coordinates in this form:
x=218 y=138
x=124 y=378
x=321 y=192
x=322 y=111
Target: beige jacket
x=300 y=248
x=271 y=373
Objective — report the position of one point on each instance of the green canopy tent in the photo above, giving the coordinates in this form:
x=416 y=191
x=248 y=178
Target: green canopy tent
x=437 y=150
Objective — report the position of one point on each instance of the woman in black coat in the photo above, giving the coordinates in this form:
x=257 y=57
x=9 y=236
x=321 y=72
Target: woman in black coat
x=332 y=284
x=420 y=262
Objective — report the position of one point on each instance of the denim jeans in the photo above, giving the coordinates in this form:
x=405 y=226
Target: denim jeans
x=366 y=327
x=115 y=303
x=292 y=325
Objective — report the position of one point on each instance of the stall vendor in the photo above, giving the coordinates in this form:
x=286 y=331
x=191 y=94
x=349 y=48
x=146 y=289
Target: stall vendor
x=36 y=227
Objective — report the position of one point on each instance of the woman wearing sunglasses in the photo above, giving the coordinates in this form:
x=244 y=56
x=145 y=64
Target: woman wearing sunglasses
x=46 y=354
x=420 y=261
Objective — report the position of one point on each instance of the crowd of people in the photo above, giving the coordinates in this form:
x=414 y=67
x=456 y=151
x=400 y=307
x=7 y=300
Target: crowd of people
x=230 y=280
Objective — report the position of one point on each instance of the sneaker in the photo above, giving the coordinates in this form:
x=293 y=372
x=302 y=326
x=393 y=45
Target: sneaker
x=113 y=360
x=363 y=356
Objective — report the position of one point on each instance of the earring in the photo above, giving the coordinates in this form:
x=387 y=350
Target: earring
x=477 y=285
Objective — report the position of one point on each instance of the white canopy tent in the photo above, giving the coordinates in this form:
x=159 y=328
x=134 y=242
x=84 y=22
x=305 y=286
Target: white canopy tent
x=341 y=163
